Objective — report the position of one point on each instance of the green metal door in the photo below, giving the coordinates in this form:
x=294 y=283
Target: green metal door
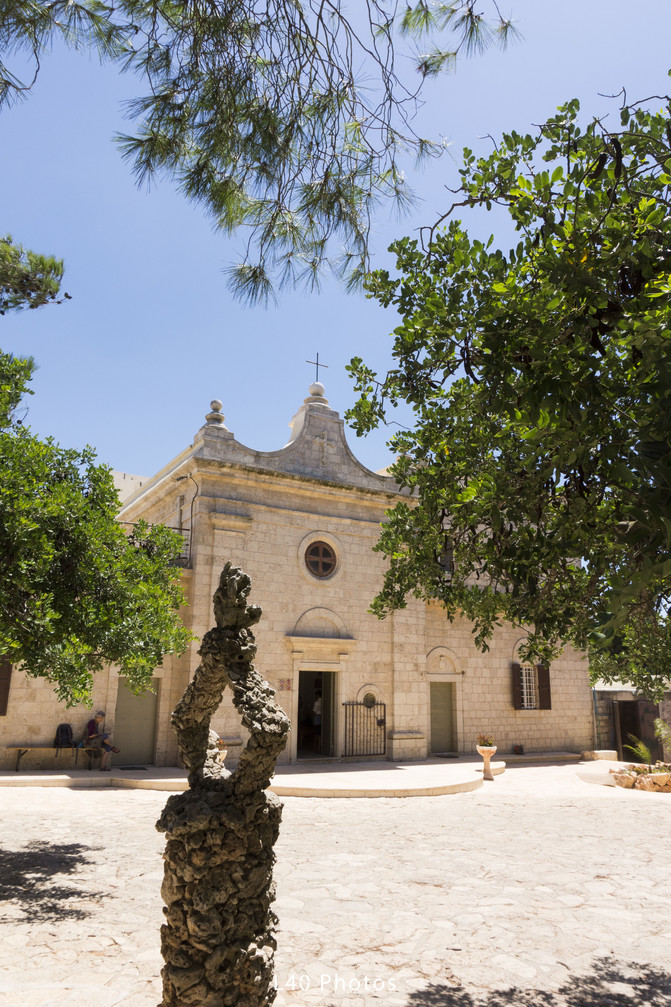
x=135 y=726
x=442 y=718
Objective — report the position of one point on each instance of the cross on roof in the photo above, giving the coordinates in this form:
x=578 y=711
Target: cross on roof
x=317 y=366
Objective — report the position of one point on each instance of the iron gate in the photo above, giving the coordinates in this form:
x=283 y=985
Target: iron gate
x=365 y=728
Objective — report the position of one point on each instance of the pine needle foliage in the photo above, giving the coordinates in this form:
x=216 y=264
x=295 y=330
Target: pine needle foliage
x=27 y=279
x=288 y=119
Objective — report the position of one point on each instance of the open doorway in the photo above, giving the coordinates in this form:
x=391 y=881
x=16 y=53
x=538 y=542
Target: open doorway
x=316 y=715
x=635 y=719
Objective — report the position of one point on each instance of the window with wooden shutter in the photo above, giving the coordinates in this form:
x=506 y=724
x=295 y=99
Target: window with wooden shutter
x=517 y=685
x=5 y=679
x=544 y=694
x=531 y=686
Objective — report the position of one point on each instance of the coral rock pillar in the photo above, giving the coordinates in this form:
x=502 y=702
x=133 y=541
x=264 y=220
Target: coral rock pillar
x=217 y=940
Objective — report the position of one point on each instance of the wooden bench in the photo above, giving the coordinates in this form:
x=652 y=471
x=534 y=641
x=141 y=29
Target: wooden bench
x=21 y=750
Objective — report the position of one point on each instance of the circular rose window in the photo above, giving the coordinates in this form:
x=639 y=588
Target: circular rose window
x=320 y=559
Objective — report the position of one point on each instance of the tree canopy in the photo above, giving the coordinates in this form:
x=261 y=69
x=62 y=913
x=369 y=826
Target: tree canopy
x=77 y=592
x=27 y=279
x=538 y=468
x=288 y=119
x=639 y=655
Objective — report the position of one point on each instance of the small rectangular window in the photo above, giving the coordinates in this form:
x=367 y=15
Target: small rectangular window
x=529 y=687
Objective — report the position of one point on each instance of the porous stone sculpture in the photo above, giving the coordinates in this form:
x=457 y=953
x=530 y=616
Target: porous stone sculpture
x=217 y=940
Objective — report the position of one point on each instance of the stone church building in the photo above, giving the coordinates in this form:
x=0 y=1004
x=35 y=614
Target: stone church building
x=302 y=522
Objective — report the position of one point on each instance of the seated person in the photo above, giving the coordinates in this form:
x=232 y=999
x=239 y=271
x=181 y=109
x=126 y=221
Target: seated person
x=95 y=737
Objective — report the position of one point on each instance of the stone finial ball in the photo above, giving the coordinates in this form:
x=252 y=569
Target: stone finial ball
x=216 y=405
x=317 y=388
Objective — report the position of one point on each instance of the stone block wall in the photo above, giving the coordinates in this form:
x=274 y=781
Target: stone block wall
x=483 y=683
x=307 y=623
x=33 y=714
x=407 y=746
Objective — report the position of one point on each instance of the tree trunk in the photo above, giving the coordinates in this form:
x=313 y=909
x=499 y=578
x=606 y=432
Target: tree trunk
x=217 y=941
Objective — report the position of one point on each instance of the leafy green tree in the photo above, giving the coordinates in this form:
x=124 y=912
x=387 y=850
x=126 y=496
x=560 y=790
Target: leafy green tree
x=76 y=592
x=640 y=654
x=538 y=468
x=286 y=118
x=663 y=734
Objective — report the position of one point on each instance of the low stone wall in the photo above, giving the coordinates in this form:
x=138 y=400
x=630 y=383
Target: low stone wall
x=406 y=746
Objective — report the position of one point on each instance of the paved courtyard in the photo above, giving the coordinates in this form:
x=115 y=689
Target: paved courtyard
x=539 y=888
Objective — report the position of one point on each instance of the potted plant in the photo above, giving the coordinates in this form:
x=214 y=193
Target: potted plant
x=223 y=751
x=486 y=748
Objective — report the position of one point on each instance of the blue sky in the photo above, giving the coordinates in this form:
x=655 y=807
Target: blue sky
x=152 y=334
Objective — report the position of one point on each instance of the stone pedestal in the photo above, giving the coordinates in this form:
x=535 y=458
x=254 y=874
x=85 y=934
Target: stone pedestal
x=487 y=751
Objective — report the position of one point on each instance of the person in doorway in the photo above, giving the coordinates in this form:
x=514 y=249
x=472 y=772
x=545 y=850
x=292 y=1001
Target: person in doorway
x=97 y=737
x=317 y=721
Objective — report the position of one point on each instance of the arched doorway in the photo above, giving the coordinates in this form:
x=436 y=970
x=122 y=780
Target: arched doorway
x=445 y=702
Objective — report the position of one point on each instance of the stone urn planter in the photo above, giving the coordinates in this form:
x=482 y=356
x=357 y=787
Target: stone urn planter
x=486 y=748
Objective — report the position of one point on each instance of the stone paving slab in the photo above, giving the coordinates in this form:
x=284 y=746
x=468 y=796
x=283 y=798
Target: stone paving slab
x=537 y=889
x=170 y=778
x=428 y=778
x=319 y=778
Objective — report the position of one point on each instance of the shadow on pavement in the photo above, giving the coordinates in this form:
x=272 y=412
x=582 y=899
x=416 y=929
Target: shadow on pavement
x=27 y=879
x=611 y=983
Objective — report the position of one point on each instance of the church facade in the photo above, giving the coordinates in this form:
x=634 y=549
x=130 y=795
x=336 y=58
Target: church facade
x=302 y=522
